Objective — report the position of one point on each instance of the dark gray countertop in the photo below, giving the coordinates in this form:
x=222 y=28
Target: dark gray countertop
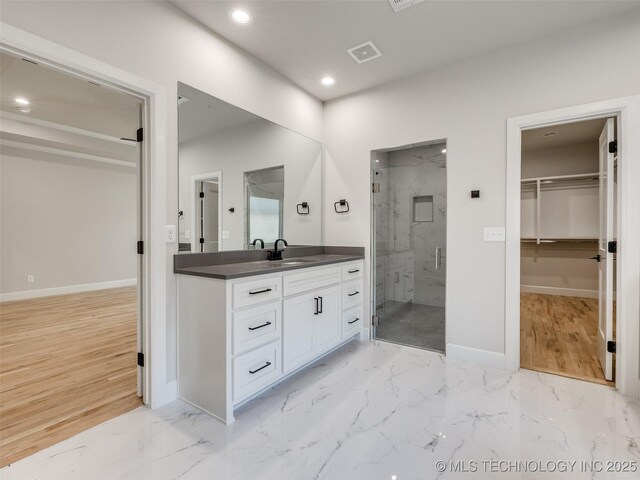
x=262 y=267
x=246 y=263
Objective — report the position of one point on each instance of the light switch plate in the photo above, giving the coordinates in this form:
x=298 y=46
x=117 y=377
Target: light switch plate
x=494 y=234
x=170 y=233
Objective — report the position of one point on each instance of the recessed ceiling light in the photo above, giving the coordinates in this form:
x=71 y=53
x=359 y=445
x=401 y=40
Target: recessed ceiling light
x=550 y=134
x=240 y=16
x=22 y=101
x=328 y=81
x=444 y=150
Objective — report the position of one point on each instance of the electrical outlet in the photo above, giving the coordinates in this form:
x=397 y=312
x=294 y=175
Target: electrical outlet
x=170 y=233
x=30 y=279
x=494 y=234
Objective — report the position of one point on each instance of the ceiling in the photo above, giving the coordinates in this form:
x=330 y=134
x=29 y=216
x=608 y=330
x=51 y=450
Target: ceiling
x=308 y=39
x=204 y=114
x=61 y=98
x=575 y=133
x=67 y=117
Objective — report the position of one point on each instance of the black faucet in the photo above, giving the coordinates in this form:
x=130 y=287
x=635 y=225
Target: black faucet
x=261 y=243
x=276 y=254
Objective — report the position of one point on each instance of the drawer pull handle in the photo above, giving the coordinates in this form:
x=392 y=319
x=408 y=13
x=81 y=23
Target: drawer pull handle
x=260 y=291
x=353 y=321
x=355 y=270
x=258 y=369
x=317 y=306
x=260 y=326
x=353 y=294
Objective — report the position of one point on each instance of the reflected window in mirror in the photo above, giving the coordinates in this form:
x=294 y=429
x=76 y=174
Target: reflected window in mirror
x=264 y=204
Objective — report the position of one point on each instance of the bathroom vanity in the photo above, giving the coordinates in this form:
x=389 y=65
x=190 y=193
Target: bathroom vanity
x=246 y=325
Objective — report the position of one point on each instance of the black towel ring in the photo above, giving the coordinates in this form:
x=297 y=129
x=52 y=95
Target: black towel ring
x=343 y=204
x=303 y=208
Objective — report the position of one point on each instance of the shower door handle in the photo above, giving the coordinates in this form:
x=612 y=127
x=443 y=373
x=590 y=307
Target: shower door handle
x=438 y=258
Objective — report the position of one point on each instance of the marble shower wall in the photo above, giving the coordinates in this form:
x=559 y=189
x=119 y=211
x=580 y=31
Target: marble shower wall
x=406 y=174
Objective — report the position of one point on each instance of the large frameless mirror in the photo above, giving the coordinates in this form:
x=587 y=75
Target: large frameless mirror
x=243 y=181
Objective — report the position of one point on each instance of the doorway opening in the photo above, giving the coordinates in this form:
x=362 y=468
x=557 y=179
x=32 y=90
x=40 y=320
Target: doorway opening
x=568 y=249
x=206 y=192
x=409 y=238
x=71 y=285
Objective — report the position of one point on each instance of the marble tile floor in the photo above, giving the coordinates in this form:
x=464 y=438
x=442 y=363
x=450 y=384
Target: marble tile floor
x=413 y=324
x=370 y=410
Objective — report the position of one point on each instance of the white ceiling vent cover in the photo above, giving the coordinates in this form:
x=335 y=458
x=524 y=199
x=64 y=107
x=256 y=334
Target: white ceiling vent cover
x=365 y=52
x=399 y=5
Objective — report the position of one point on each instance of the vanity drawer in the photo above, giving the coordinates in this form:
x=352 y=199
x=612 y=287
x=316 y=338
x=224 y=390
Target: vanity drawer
x=255 y=370
x=351 y=271
x=257 y=325
x=351 y=321
x=302 y=282
x=351 y=294
x=256 y=291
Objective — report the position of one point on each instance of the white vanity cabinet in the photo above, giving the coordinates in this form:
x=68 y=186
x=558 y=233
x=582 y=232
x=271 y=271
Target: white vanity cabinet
x=237 y=337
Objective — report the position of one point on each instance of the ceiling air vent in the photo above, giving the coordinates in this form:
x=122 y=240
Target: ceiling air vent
x=399 y=5
x=365 y=52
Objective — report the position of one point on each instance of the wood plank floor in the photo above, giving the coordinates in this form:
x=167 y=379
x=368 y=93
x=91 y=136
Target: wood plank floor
x=559 y=335
x=67 y=363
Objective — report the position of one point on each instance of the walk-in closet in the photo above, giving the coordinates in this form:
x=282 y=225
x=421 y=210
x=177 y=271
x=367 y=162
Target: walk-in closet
x=565 y=194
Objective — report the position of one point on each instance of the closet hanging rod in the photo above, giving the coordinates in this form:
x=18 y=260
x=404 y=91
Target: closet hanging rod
x=562 y=177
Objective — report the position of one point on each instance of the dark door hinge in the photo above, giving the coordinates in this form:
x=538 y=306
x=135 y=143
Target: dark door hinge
x=140 y=359
x=140 y=247
x=139 y=135
x=612 y=246
x=201 y=240
x=201 y=194
x=613 y=146
x=611 y=346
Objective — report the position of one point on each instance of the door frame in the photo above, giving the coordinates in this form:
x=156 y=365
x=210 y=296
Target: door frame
x=627 y=112
x=157 y=390
x=194 y=207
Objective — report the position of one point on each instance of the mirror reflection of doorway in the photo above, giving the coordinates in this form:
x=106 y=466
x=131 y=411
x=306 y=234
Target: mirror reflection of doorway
x=207 y=208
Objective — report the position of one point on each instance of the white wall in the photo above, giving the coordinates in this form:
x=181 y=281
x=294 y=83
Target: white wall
x=468 y=104
x=66 y=222
x=564 y=160
x=154 y=40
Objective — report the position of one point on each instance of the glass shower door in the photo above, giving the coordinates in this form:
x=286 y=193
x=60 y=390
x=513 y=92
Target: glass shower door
x=409 y=245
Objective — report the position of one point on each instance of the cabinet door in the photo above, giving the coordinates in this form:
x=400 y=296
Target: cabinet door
x=298 y=318
x=328 y=320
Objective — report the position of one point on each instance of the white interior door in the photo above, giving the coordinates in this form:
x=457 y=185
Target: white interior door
x=605 y=259
x=210 y=223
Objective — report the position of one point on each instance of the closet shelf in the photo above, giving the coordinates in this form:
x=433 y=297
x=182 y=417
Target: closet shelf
x=558 y=239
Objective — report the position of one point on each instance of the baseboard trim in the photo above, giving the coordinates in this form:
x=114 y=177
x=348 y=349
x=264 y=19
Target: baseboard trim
x=48 y=292
x=567 y=292
x=476 y=355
